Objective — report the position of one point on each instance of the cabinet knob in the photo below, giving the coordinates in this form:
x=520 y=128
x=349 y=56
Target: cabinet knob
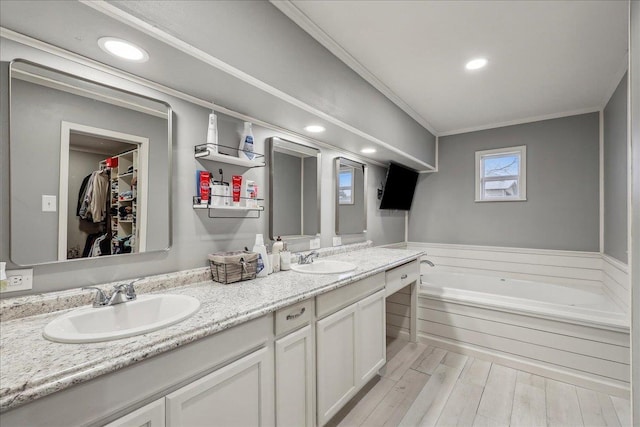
x=404 y=276
x=295 y=316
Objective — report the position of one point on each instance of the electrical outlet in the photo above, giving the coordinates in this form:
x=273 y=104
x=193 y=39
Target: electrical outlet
x=337 y=240
x=314 y=243
x=18 y=280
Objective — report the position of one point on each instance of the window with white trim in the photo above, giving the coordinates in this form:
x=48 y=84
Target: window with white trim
x=501 y=174
x=345 y=191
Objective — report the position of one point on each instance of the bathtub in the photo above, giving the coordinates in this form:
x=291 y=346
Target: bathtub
x=575 y=335
x=589 y=306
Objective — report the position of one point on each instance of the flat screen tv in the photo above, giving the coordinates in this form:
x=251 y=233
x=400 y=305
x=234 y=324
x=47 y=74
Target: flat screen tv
x=399 y=187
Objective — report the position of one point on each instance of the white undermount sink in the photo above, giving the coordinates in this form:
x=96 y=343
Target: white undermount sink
x=324 y=267
x=145 y=314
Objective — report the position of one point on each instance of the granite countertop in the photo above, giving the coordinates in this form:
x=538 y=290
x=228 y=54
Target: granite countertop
x=32 y=367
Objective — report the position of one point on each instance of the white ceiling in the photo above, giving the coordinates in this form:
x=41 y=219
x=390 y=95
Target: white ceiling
x=546 y=58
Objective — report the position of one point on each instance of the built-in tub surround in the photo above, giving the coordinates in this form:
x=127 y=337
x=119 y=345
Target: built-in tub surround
x=25 y=352
x=545 y=312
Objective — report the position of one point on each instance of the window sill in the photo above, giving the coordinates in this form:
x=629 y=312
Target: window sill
x=499 y=200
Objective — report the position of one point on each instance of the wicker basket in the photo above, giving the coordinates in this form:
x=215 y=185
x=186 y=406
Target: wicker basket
x=230 y=267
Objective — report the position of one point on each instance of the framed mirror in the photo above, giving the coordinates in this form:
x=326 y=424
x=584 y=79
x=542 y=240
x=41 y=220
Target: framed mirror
x=351 y=196
x=294 y=191
x=90 y=168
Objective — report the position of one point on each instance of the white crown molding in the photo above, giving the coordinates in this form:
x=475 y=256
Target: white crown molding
x=304 y=22
x=160 y=35
x=523 y=121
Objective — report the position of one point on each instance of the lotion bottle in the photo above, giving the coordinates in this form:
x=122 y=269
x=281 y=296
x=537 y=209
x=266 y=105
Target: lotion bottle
x=245 y=149
x=261 y=250
x=277 y=247
x=212 y=134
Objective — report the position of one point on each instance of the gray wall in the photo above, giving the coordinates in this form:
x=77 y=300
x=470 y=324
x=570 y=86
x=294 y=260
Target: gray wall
x=37 y=112
x=615 y=173
x=194 y=234
x=287 y=199
x=562 y=207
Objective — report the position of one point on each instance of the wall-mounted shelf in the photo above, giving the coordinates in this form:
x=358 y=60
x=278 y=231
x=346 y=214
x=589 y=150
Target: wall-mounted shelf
x=218 y=211
x=206 y=152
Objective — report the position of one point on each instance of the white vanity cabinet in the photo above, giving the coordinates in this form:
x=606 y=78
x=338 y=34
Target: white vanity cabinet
x=295 y=370
x=151 y=415
x=351 y=344
x=240 y=394
x=371 y=336
x=294 y=379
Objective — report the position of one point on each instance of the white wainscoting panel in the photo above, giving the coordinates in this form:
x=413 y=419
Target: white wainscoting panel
x=615 y=278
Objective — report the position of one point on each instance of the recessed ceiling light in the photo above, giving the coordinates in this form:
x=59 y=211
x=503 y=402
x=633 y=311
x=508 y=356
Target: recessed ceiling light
x=314 y=128
x=368 y=150
x=123 y=49
x=476 y=64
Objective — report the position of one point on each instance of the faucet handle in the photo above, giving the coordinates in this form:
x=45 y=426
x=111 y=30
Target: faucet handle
x=100 y=298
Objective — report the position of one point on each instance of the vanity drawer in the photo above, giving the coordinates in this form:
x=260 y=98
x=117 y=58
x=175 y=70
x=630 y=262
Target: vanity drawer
x=293 y=316
x=399 y=277
x=348 y=294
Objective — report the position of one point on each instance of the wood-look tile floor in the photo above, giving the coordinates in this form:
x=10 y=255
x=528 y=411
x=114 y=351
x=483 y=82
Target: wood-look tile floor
x=429 y=386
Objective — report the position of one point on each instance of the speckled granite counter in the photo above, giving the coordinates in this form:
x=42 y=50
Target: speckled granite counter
x=32 y=367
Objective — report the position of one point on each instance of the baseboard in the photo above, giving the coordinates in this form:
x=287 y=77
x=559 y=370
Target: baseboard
x=605 y=386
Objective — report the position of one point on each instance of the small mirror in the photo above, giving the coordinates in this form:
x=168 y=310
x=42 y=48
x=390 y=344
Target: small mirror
x=294 y=191
x=351 y=197
x=89 y=168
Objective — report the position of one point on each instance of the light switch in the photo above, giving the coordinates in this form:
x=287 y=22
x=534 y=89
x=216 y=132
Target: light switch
x=48 y=203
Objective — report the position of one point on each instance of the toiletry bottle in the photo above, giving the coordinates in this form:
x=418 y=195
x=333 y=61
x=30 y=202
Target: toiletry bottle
x=261 y=250
x=277 y=247
x=236 y=183
x=212 y=134
x=285 y=259
x=245 y=149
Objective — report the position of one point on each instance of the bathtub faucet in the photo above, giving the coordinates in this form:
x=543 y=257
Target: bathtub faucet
x=426 y=261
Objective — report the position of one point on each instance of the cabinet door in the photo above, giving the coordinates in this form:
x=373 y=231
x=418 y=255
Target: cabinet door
x=240 y=394
x=294 y=379
x=336 y=358
x=371 y=349
x=151 y=415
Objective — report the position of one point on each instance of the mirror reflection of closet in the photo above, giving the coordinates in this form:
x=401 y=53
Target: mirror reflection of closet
x=62 y=129
x=351 y=197
x=106 y=190
x=294 y=190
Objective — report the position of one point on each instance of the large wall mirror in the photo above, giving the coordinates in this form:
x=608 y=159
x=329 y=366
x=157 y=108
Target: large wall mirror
x=90 y=168
x=351 y=196
x=294 y=190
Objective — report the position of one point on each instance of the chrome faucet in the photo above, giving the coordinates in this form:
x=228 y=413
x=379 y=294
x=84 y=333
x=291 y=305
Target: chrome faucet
x=308 y=258
x=121 y=293
x=426 y=261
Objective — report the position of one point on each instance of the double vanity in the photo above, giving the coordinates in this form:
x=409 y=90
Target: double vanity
x=289 y=349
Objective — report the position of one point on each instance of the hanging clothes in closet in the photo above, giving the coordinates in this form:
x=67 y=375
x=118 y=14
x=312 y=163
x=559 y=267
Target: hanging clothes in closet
x=93 y=202
x=93 y=195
